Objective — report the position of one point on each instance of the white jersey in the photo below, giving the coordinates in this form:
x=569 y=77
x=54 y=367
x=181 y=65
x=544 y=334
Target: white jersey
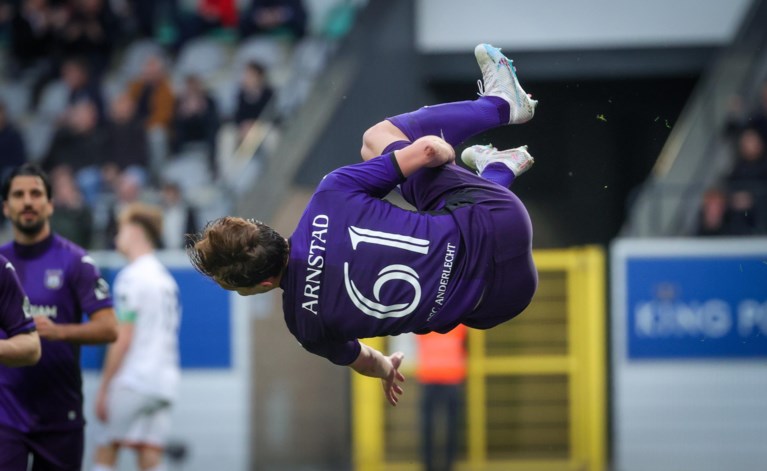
x=147 y=295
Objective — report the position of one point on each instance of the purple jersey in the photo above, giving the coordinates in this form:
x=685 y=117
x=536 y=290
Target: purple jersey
x=62 y=283
x=14 y=305
x=362 y=267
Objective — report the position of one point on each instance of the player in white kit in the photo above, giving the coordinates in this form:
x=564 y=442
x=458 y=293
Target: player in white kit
x=141 y=369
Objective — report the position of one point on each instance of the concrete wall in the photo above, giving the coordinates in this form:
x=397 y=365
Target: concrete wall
x=455 y=25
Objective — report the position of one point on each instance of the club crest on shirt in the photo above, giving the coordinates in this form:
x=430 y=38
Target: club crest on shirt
x=27 y=308
x=101 y=290
x=54 y=279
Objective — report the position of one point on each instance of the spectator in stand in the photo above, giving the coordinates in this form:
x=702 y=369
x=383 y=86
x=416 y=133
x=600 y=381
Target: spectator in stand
x=209 y=15
x=128 y=190
x=736 y=116
x=742 y=117
x=714 y=213
x=743 y=214
x=747 y=183
x=253 y=96
x=91 y=31
x=150 y=15
x=750 y=169
x=75 y=72
x=32 y=34
x=180 y=217
x=80 y=144
x=7 y=9
x=12 y=150
x=126 y=141
x=195 y=120
x=441 y=372
x=72 y=217
x=44 y=17
x=759 y=119
x=274 y=17
x=153 y=94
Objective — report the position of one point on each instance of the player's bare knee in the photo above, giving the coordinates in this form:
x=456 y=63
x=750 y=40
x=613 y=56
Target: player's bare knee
x=370 y=141
x=366 y=151
x=378 y=137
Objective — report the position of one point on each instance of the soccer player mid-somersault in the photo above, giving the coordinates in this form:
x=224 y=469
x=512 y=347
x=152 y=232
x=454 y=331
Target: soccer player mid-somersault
x=357 y=266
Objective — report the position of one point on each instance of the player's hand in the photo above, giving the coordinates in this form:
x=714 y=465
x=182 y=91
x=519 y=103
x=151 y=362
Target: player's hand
x=391 y=384
x=47 y=329
x=438 y=151
x=101 y=407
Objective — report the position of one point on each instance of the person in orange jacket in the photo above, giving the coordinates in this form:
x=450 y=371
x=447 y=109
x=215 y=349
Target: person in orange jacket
x=441 y=372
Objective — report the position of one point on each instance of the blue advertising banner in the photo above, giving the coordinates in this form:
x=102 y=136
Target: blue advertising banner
x=696 y=307
x=206 y=325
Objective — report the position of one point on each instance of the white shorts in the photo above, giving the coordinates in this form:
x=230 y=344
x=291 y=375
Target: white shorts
x=135 y=419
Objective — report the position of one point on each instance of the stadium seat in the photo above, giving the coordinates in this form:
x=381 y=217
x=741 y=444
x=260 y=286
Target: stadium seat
x=270 y=52
x=16 y=99
x=224 y=92
x=134 y=57
x=53 y=101
x=204 y=57
x=37 y=137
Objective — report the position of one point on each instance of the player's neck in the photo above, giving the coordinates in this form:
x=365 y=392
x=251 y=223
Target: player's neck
x=30 y=239
x=138 y=251
x=278 y=278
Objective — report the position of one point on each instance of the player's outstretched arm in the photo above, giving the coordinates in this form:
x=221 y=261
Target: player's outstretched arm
x=428 y=151
x=20 y=350
x=371 y=362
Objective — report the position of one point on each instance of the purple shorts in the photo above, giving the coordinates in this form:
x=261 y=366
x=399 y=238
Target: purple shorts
x=52 y=451
x=512 y=278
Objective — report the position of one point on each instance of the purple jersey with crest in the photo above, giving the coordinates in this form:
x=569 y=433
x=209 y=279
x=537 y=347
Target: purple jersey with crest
x=62 y=283
x=362 y=267
x=14 y=316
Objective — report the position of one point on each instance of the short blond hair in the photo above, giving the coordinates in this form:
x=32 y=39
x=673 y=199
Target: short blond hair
x=146 y=216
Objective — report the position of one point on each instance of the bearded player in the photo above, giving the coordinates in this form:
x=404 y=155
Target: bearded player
x=41 y=407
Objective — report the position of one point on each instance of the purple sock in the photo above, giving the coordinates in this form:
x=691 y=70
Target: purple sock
x=499 y=173
x=454 y=122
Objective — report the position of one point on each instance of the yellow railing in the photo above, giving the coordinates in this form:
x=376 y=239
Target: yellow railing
x=561 y=340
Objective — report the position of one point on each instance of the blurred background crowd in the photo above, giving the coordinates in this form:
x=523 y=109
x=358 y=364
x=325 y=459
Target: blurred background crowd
x=166 y=101
x=737 y=203
x=177 y=101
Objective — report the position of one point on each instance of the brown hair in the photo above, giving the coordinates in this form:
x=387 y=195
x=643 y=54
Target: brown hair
x=28 y=169
x=238 y=252
x=146 y=216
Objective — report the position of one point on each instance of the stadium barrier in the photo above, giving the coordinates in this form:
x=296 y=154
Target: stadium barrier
x=535 y=393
